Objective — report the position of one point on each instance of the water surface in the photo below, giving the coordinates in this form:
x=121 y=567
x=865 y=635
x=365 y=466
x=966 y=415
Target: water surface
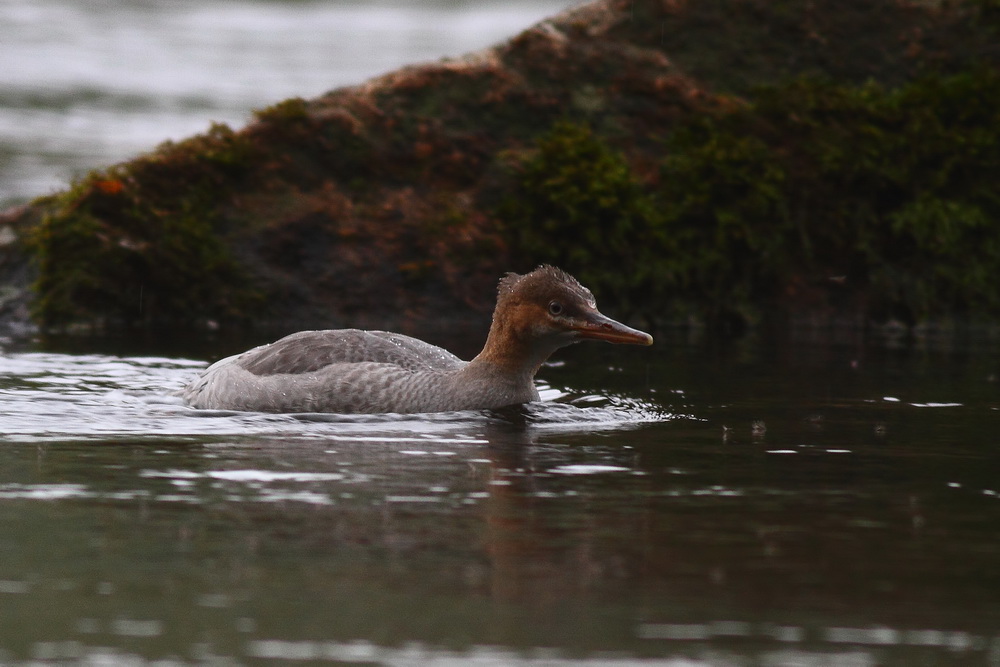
x=88 y=83
x=691 y=503
x=758 y=503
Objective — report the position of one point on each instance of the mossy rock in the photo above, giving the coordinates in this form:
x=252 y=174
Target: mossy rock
x=388 y=203
x=120 y=250
x=861 y=202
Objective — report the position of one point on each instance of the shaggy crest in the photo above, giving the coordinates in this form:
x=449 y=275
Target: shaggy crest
x=544 y=279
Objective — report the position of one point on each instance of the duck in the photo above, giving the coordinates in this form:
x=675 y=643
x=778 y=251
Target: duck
x=354 y=371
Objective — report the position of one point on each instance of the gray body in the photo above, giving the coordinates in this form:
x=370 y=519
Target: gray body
x=354 y=371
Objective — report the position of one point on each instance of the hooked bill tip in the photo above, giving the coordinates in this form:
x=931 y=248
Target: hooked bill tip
x=615 y=332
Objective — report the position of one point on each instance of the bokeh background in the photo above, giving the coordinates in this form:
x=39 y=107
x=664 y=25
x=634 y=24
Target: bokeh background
x=87 y=83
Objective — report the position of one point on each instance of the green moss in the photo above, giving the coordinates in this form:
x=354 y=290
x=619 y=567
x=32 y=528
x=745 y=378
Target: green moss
x=576 y=204
x=291 y=110
x=142 y=245
x=879 y=202
x=889 y=191
x=297 y=148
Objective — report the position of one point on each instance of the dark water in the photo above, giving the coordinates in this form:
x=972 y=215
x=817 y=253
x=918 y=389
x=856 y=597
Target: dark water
x=801 y=503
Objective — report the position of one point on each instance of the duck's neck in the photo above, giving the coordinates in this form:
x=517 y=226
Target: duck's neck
x=504 y=372
x=512 y=352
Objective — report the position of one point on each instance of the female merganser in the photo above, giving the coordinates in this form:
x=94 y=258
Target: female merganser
x=353 y=371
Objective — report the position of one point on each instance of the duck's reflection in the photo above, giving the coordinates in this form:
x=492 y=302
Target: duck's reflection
x=538 y=553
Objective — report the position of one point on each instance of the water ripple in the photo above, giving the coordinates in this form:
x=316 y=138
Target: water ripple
x=48 y=397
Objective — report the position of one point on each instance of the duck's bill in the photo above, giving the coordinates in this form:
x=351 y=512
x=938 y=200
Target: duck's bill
x=599 y=327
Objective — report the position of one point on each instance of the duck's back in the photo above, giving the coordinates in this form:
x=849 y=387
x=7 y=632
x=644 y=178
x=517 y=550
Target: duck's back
x=344 y=370
x=309 y=351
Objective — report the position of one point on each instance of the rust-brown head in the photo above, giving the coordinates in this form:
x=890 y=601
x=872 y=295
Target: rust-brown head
x=552 y=307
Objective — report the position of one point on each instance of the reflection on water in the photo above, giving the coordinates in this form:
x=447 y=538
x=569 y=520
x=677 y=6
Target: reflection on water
x=803 y=504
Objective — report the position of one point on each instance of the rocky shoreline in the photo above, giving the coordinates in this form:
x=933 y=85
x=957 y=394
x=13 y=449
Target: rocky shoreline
x=377 y=205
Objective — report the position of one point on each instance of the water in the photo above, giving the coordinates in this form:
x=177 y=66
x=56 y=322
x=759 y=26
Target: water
x=802 y=503
x=88 y=83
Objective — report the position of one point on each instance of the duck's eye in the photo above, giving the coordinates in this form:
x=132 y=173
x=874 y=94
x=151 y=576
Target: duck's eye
x=555 y=308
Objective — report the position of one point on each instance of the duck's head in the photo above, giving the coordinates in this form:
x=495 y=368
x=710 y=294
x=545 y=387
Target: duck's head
x=552 y=309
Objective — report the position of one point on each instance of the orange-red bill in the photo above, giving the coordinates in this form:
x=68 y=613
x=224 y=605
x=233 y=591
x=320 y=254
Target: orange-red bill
x=600 y=327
